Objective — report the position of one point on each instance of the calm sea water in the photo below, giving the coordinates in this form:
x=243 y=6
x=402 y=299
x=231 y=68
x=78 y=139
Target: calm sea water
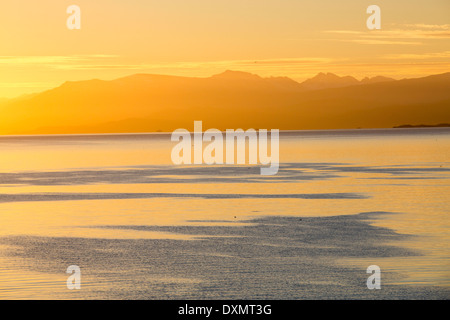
x=140 y=227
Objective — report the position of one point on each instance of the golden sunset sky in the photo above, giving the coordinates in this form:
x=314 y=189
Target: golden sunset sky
x=294 y=38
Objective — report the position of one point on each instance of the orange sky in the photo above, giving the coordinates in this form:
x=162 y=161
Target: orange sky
x=202 y=37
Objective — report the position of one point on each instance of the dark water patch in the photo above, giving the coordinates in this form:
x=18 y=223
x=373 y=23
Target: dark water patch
x=288 y=172
x=340 y=236
x=160 y=174
x=270 y=258
x=27 y=197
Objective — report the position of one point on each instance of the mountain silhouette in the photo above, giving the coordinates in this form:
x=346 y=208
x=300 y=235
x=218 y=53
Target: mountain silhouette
x=376 y=79
x=232 y=99
x=330 y=80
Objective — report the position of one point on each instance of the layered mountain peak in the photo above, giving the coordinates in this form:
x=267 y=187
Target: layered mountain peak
x=236 y=75
x=146 y=103
x=376 y=79
x=328 y=80
x=331 y=80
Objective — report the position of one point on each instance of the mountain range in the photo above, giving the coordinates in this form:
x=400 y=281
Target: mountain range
x=232 y=99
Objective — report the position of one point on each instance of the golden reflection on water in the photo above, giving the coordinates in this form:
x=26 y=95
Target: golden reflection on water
x=420 y=200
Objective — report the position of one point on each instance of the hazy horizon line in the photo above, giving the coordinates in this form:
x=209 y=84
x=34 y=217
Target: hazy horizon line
x=207 y=77
x=396 y=129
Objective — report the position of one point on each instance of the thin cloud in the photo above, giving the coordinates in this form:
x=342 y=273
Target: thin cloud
x=97 y=66
x=399 y=35
x=382 y=42
x=414 y=56
x=227 y=64
x=425 y=26
x=27 y=84
x=51 y=60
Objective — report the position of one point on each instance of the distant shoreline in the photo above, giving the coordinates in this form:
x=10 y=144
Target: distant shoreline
x=440 y=125
x=282 y=132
